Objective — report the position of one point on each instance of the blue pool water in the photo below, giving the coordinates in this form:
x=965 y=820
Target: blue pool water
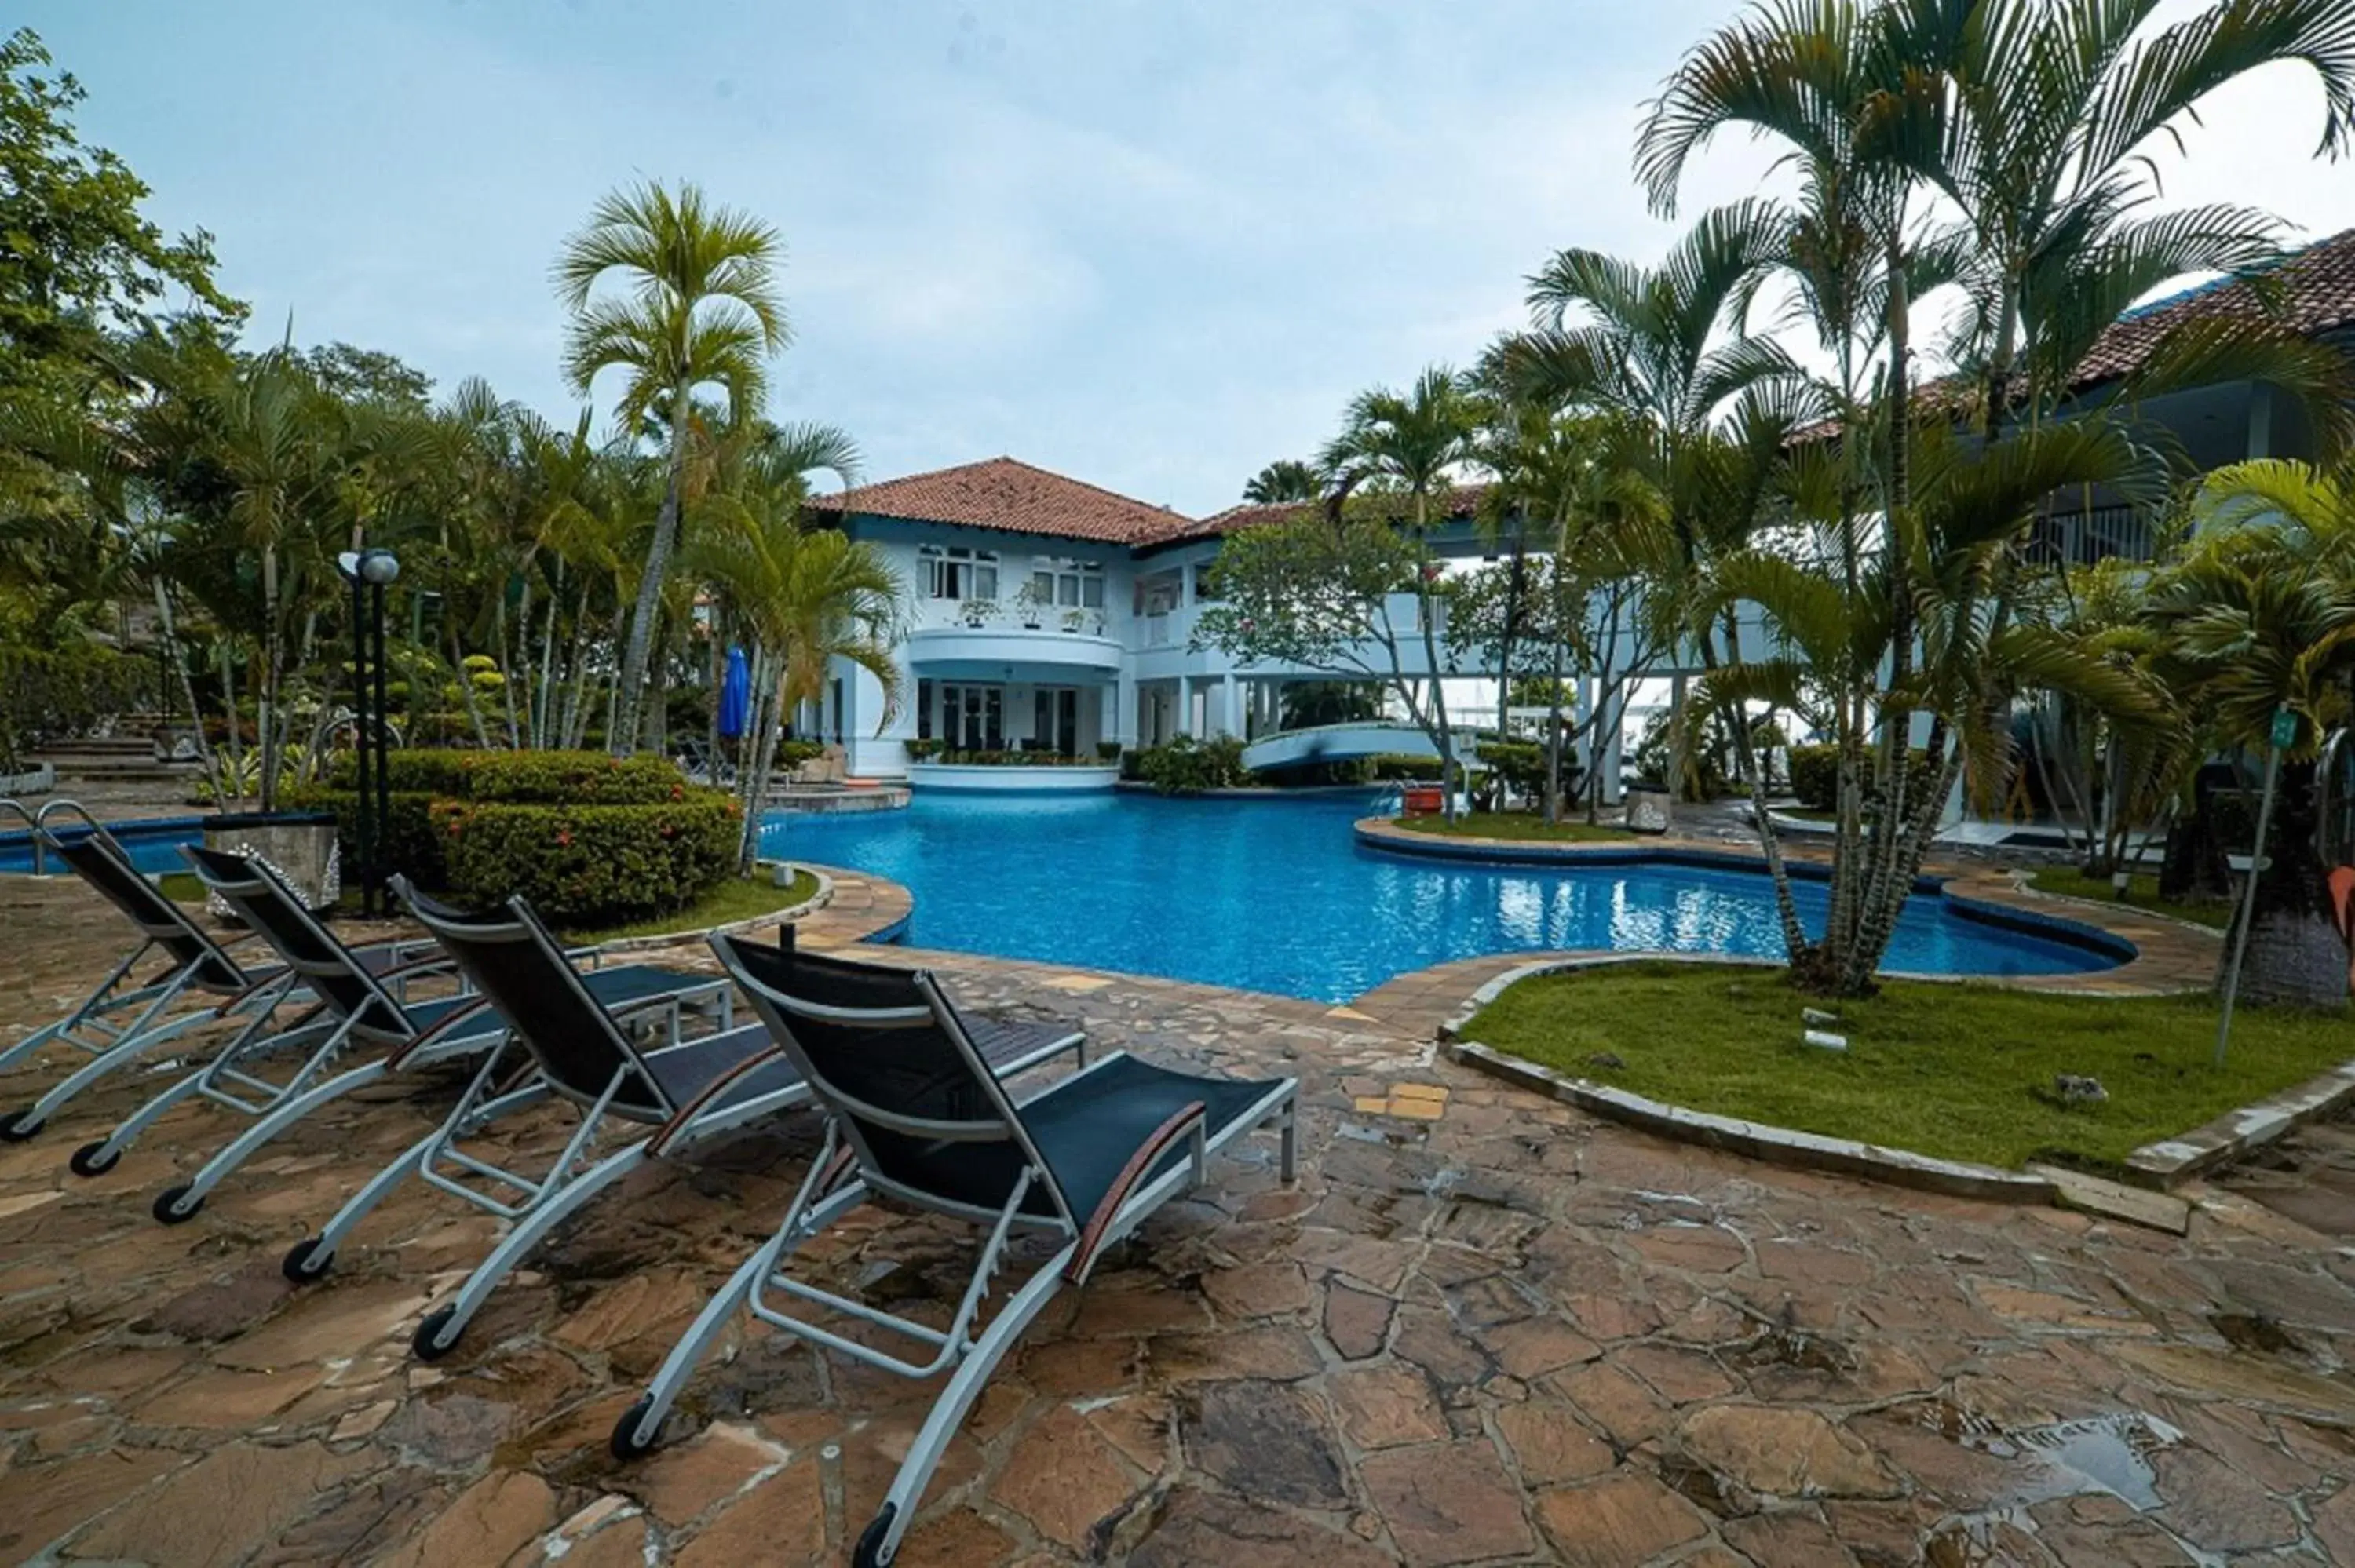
x=1276 y=895
x=153 y=844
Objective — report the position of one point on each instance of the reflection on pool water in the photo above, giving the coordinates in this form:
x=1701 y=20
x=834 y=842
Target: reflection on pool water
x=1277 y=896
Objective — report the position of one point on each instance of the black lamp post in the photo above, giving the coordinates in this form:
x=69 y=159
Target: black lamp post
x=370 y=571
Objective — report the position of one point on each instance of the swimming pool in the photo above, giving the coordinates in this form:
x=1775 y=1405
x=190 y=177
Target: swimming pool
x=154 y=843
x=1277 y=896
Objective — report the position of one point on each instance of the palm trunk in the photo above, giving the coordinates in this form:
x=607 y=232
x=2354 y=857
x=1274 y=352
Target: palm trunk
x=466 y=687
x=1554 y=701
x=266 y=711
x=187 y=684
x=543 y=707
x=508 y=671
x=753 y=779
x=232 y=787
x=1423 y=615
x=621 y=739
x=2296 y=955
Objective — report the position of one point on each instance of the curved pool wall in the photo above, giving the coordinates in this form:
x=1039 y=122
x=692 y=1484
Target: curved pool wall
x=1279 y=895
x=154 y=843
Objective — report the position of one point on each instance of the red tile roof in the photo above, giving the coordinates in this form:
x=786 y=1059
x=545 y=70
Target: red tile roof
x=2313 y=292
x=1460 y=501
x=1013 y=498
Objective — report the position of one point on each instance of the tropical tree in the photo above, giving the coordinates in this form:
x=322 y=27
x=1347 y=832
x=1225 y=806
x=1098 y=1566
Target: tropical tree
x=1414 y=442
x=697 y=308
x=2259 y=617
x=1285 y=479
x=808 y=597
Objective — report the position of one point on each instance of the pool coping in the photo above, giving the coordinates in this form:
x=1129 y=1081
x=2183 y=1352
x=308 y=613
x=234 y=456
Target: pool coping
x=788 y=914
x=2167 y=956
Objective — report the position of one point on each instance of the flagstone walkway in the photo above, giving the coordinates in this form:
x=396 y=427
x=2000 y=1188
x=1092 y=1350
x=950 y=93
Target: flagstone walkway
x=1482 y=1328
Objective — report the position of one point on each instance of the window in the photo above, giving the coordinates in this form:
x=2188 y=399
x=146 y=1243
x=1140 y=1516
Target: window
x=1068 y=584
x=955 y=572
x=923 y=710
x=1202 y=590
x=1055 y=720
x=1158 y=594
x=974 y=717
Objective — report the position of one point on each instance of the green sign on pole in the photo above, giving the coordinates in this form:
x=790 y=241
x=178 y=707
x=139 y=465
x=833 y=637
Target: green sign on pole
x=2284 y=734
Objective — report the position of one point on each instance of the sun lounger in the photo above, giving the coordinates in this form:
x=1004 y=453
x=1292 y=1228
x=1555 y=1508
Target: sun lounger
x=122 y=1020
x=357 y=1010
x=691 y=1090
x=914 y=1114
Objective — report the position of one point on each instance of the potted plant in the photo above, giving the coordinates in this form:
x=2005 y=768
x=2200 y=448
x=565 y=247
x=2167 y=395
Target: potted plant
x=978 y=612
x=923 y=750
x=1097 y=622
x=1073 y=620
x=1109 y=750
x=1032 y=604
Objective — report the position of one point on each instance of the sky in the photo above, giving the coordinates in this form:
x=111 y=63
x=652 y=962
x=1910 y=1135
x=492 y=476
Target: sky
x=1150 y=245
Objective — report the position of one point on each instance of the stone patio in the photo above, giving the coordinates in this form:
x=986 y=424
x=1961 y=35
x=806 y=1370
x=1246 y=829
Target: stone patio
x=1482 y=1328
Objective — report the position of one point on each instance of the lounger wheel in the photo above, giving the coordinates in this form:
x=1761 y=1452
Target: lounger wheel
x=93 y=1159
x=175 y=1206
x=870 y=1549
x=20 y=1127
x=307 y=1262
x=428 y=1345
x=625 y=1443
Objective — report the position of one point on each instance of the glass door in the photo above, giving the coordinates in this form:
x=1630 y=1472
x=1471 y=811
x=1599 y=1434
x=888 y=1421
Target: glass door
x=1055 y=720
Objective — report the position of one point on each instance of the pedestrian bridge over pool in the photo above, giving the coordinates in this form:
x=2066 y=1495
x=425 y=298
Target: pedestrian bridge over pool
x=1337 y=743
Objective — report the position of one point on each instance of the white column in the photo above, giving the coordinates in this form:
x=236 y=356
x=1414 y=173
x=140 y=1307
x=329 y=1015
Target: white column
x=1231 y=712
x=1185 y=717
x=1123 y=726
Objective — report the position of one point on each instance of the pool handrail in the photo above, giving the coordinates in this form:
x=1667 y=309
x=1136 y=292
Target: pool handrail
x=42 y=833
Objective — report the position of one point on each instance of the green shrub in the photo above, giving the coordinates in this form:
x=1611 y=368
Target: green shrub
x=571 y=778
x=406 y=843
x=925 y=749
x=1814 y=776
x=427 y=770
x=1108 y=751
x=1184 y=765
x=1394 y=768
x=588 y=864
x=791 y=754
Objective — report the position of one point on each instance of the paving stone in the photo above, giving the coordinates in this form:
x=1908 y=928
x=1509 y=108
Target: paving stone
x=1791 y=1539
x=1534 y=1346
x=369 y=1519
x=780 y=1522
x=72 y=1492
x=680 y=1485
x=1199 y=1528
x=1627 y=1411
x=1384 y=1407
x=328 y=1322
x=1356 y=1321
x=491 y=1522
x=2210 y=1504
x=1785 y=1452
x=220 y=1308
x=620 y=1545
x=222 y=1509
x=1257 y=1290
x=1626 y=1518
x=1063 y=1478
x=449 y=1430
x=1264 y=1441
x=220 y=1401
x=1449 y=1504
x=1266 y=1352
x=1549 y=1445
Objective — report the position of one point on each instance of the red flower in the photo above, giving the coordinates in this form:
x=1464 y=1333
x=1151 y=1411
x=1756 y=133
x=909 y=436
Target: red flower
x=564 y=837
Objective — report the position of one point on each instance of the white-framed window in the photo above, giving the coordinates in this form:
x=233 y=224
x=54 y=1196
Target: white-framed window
x=1068 y=584
x=1158 y=593
x=951 y=571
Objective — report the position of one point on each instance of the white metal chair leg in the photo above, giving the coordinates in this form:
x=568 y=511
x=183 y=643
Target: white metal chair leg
x=315 y=1255
x=99 y=1066
x=880 y=1543
x=439 y=1333
x=174 y=1204
x=634 y=1434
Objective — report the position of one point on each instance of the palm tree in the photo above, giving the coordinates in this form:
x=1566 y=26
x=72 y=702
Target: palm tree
x=2260 y=618
x=1287 y=479
x=808 y=597
x=1413 y=442
x=699 y=308
x=2046 y=136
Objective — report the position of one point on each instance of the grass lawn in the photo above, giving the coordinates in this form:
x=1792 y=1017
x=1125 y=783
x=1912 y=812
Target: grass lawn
x=1528 y=826
x=732 y=900
x=2142 y=893
x=181 y=887
x=1960 y=1071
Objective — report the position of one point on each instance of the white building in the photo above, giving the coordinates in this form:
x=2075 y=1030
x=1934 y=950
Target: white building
x=1046 y=614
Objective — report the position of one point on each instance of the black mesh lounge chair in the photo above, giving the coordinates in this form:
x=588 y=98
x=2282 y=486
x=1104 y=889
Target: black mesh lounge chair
x=356 y=1011
x=122 y=1020
x=913 y=1114
x=691 y=1092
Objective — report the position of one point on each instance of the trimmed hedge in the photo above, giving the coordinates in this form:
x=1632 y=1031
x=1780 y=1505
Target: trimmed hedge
x=1815 y=775
x=1185 y=765
x=589 y=839
x=588 y=864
